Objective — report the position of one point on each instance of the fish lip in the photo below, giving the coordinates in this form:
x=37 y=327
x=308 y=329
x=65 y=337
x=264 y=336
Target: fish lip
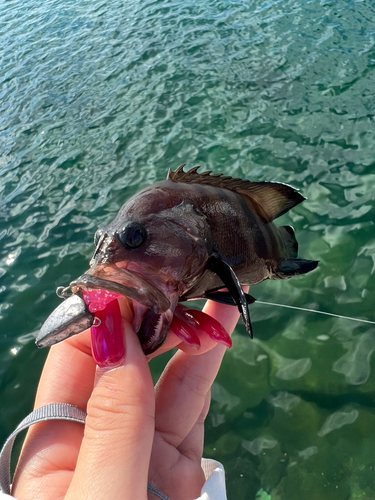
x=132 y=286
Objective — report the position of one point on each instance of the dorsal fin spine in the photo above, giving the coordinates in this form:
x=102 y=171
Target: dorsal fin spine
x=273 y=198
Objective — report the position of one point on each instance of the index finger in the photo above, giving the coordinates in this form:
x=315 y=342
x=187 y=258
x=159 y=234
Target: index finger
x=68 y=374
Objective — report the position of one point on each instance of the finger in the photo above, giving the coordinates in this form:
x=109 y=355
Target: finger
x=192 y=445
x=184 y=384
x=225 y=314
x=50 y=449
x=181 y=392
x=68 y=374
x=119 y=430
x=170 y=343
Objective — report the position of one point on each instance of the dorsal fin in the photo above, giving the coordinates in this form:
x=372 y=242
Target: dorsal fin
x=269 y=199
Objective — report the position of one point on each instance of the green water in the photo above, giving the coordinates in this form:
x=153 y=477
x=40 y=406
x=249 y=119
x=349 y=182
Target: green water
x=98 y=100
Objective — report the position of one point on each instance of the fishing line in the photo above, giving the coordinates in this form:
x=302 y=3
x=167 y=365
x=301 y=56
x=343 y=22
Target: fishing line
x=315 y=311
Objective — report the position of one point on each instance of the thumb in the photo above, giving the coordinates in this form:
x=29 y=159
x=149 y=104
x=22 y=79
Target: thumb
x=115 y=453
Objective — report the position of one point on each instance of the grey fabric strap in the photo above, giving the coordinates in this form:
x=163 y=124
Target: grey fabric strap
x=151 y=488
x=53 y=411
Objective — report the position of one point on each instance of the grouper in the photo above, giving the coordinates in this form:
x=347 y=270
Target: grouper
x=194 y=235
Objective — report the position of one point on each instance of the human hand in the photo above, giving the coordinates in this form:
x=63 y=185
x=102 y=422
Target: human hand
x=133 y=433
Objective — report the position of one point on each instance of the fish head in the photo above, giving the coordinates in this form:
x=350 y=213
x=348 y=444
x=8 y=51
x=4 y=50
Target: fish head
x=152 y=252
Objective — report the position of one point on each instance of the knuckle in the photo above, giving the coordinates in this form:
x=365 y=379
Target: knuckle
x=112 y=407
x=199 y=384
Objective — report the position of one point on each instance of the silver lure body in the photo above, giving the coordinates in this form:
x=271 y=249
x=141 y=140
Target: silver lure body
x=69 y=318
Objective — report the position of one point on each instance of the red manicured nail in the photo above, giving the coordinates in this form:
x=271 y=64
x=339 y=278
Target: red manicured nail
x=107 y=339
x=212 y=327
x=183 y=328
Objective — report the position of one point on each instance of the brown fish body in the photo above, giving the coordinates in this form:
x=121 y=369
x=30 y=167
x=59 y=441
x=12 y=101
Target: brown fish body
x=251 y=245
x=188 y=237
x=201 y=233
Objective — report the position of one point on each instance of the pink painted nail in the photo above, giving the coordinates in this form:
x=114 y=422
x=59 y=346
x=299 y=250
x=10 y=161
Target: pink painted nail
x=183 y=328
x=212 y=327
x=107 y=339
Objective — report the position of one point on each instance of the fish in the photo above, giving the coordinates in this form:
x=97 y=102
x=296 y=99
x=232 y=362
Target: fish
x=194 y=235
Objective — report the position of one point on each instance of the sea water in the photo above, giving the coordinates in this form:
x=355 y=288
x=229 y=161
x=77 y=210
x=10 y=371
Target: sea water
x=99 y=99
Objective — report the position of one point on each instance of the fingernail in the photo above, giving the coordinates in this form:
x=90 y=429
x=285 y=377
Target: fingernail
x=107 y=339
x=182 y=327
x=212 y=327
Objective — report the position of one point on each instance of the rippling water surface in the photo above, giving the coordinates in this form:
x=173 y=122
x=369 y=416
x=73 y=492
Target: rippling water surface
x=98 y=100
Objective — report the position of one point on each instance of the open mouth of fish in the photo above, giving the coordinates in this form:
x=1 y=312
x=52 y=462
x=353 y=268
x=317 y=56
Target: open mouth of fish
x=153 y=313
x=98 y=283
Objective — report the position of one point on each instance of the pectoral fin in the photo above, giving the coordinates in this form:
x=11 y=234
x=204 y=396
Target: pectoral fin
x=230 y=280
x=294 y=267
x=226 y=298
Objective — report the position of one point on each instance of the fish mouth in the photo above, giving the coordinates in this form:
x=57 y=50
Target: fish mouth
x=123 y=282
x=152 y=310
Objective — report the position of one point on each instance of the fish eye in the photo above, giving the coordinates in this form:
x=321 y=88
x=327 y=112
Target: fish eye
x=97 y=236
x=133 y=235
